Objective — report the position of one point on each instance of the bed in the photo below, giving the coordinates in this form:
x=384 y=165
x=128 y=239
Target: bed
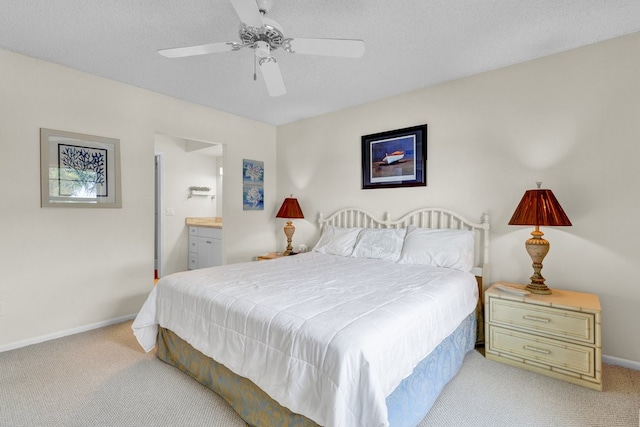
x=364 y=330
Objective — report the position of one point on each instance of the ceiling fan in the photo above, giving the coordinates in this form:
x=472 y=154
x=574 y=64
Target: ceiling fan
x=265 y=35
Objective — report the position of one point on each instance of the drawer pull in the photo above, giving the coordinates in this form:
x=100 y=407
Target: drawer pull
x=536 y=349
x=536 y=318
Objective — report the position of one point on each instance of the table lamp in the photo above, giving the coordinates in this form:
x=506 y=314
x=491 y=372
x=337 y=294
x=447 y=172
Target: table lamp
x=290 y=209
x=538 y=207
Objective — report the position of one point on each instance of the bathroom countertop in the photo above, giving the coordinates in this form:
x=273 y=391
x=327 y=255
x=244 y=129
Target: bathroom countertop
x=213 y=222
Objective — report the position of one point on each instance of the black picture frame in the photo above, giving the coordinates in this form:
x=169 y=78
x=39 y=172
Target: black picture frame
x=396 y=158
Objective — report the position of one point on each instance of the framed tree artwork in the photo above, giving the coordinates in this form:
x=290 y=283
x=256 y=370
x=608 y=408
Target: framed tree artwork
x=78 y=170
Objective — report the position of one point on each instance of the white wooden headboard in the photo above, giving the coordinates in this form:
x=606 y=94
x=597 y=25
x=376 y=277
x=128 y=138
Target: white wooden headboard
x=424 y=217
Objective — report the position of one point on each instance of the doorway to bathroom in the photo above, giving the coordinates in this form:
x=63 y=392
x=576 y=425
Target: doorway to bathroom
x=180 y=166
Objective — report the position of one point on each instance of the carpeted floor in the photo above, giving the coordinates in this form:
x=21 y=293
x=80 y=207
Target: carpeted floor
x=103 y=378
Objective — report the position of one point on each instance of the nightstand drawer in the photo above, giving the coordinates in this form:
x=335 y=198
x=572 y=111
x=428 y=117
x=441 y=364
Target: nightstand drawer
x=571 y=359
x=554 y=322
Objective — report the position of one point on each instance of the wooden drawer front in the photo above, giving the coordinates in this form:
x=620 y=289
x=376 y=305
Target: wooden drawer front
x=193 y=231
x=566 y=324
x=564 y=356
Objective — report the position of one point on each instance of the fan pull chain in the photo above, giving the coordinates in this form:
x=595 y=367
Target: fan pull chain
x=255 y=77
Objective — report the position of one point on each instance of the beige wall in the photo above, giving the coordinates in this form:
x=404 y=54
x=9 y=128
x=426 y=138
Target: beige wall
x=63 y=269
x=569 y=120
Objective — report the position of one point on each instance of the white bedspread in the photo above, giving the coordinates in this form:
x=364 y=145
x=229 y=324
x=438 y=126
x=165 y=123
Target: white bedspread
x=328 y=337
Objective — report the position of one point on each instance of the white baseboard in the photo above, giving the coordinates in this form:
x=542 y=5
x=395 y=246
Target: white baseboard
x=65 y=333
x=621 y=362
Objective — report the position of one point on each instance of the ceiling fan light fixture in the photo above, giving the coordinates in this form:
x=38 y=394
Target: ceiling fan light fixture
x=262 y=49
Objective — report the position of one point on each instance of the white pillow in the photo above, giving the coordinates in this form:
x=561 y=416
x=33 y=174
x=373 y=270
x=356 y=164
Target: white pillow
x=337 y=240
x=439 y=248
x=380 y=243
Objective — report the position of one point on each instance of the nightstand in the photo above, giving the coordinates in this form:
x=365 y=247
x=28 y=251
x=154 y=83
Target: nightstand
x=558 y=335
x=270 y=255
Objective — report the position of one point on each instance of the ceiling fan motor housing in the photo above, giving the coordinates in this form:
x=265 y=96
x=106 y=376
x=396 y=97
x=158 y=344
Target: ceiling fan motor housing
x=270 y=32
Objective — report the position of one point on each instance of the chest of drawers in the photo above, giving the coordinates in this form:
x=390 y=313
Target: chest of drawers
x=558 y=335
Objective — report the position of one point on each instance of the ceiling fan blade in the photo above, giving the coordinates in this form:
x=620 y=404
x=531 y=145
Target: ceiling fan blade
x=270 y=71
x=248 y=12
x=181 y=52
x=346 y=48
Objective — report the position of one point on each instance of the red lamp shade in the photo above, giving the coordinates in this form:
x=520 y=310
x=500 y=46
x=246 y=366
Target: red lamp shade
x=539 y=207
x=290 y=209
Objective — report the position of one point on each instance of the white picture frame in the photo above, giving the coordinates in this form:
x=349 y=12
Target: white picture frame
x=78 y=170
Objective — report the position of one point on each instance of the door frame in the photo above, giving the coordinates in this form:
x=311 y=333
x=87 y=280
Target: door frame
x=159 y=213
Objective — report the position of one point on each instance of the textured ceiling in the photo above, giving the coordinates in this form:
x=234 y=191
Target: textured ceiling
x=410 y=44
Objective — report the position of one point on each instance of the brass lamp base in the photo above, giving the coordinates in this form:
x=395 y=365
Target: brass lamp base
x=536 y=289
x=537 y=248
x=289 y=229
